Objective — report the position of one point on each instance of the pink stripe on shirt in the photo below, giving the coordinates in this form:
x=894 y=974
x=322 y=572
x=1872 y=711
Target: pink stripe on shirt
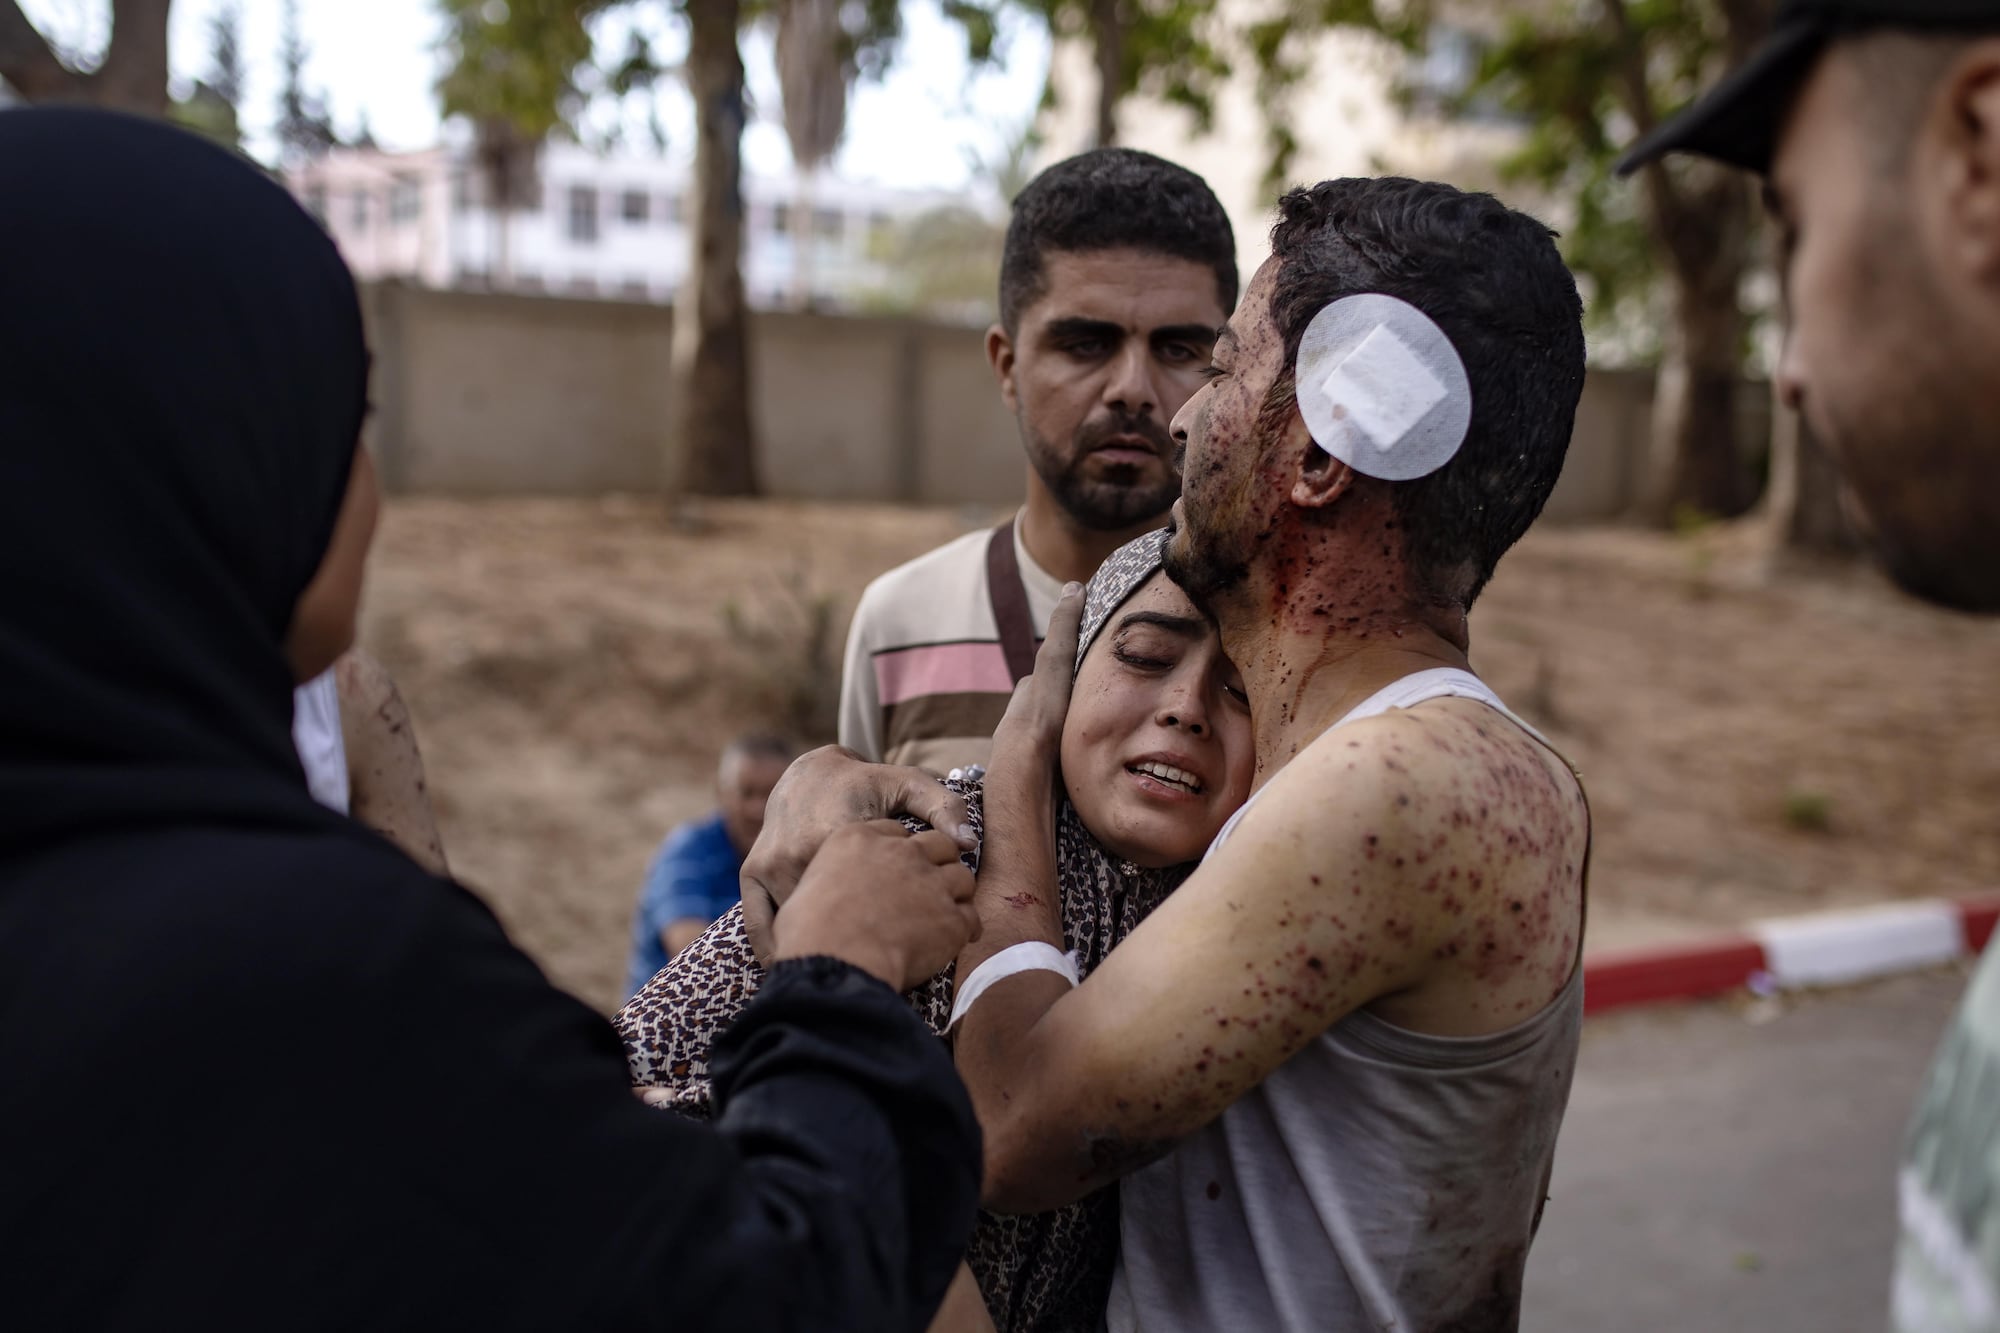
x=941 y=668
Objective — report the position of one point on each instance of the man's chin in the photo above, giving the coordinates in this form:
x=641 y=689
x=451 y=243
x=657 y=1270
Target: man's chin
x=1198 y=572
x=1949 y=560
x=1108 y=506
x=1958 y=582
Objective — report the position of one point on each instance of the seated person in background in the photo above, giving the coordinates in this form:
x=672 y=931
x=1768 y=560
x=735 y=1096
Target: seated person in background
x=354 y=736
x=693 y=877
x=1157 y=752
x=1118 y=266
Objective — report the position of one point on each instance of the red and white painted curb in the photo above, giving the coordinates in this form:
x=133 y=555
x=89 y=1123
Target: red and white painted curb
x=1791 y=953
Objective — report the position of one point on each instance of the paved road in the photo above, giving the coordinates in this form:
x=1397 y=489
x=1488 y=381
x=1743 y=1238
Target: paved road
x=1717 y=1175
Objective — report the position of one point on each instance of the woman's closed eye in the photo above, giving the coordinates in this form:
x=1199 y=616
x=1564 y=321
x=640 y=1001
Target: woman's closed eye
x=1143 y=661
x=1147 y=647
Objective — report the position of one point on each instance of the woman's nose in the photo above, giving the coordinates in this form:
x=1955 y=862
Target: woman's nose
x=1183 y=709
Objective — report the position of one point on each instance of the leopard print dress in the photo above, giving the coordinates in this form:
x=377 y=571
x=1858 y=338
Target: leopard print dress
x=1040 y=1273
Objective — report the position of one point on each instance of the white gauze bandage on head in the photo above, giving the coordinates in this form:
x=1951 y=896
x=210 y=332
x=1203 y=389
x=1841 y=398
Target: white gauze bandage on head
x=1381 y=388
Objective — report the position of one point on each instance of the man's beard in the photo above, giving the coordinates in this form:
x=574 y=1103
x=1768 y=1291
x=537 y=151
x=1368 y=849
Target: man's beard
x=1104 y=505
x=1956 y=567
x=1919 y=461
x=1934 y=539
x=1195 y=563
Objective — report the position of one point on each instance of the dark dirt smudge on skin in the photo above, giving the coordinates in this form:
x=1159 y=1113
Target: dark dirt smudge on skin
x=1496 y=1308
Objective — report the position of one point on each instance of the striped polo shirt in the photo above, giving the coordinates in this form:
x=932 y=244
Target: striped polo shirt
x=925 y=681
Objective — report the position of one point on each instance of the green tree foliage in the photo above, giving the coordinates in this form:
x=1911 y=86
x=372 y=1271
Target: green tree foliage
x=213 y=107
x=517 y=62
x=1164 y=49
x=1584 y=78
x=944 y=264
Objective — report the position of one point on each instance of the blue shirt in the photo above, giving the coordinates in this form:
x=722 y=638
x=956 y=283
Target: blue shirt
x=694 y=875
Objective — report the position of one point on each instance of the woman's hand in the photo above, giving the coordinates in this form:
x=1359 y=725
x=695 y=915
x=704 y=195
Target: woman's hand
x=1031 y=730
x=821 y=793
x=1017 y=862
x=896 y=904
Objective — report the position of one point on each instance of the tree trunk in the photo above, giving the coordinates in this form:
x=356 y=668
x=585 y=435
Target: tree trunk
x=710 y=449
x=132 y=78
x=1703 y=231
x=1802 y=507
x=134 y=74
x=1696 y=466
x=1107 y=35
x=1701 y=220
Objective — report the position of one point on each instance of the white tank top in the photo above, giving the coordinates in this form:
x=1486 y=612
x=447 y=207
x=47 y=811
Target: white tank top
x=1380 y=1179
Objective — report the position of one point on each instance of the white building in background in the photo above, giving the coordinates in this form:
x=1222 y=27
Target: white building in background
x=604 y=226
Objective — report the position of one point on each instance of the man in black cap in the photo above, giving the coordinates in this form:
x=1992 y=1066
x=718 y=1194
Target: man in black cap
x=1877 y=126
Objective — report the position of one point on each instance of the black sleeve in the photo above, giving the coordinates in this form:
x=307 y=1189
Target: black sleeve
x=836 y=1190
x=858 y=1142
x=286 y=1082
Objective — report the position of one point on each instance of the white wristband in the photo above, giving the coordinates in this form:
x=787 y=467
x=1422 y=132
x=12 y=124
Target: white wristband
x=1033 y=956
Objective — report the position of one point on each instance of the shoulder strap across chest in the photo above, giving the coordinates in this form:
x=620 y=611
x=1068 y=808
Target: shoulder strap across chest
x=1010 y=603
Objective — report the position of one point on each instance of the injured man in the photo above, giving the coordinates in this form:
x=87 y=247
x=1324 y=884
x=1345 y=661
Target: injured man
x=1327 y=1070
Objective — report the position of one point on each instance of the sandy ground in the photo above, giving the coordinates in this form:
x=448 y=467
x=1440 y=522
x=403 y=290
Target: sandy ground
x=1753 y=744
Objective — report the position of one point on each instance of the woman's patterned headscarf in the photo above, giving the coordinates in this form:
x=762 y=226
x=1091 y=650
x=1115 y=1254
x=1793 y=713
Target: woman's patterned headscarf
x=1117 y=579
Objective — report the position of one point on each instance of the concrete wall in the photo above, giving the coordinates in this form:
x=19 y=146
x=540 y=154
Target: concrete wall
x=482 y=394
x=1601 y=472
x=1606 y=465
x=479 y=394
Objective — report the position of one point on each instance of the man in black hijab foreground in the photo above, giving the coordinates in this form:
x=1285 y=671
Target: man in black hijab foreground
x=257 y=1069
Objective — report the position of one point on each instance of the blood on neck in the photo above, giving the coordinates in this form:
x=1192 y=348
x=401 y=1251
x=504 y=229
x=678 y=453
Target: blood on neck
x=1327 y=615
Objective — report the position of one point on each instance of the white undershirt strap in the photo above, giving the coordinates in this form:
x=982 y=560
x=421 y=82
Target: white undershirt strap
x=1416 y=688
x=1436 y=683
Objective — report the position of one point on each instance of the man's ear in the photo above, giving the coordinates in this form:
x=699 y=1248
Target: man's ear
x=1966 y=127
x=1322 y=478
x=1000 y=355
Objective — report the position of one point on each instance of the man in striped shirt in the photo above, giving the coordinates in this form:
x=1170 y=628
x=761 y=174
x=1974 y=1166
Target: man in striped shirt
x=1117 y=270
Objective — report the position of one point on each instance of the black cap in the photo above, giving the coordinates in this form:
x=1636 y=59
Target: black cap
x=1738 y=120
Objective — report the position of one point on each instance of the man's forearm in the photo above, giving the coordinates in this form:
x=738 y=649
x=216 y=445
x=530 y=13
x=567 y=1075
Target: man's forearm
x=386 y=788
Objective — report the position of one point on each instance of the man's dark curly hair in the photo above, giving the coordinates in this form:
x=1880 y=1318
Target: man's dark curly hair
x=1110 y=199
x=1493 y=281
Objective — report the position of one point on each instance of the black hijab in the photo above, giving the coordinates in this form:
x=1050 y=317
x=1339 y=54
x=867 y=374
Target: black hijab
x=257 y=1069
x=179 y=407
